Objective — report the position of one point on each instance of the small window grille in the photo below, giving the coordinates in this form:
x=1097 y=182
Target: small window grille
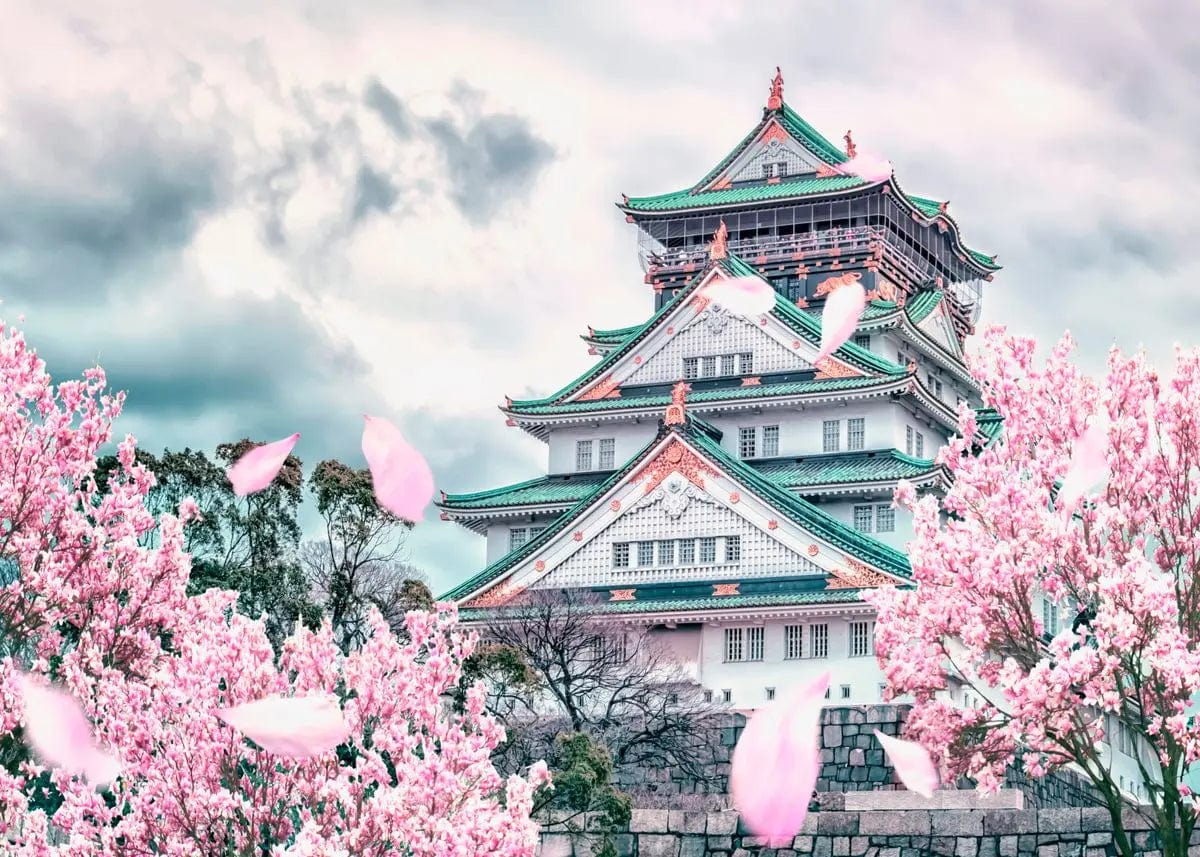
x=691 y=368
x=831 y=435
x=621 y=555
x=727 y=364
x=770 y=693
x=862 y=518
x=708 y=550
x=727 y=695
x=1049 y=617
x=937 y=388
x=770 y=441
x=863 y=342
x=885 y=519
x=733 y=548
x=708 y=367
x=827 y=691
x=517 y=537
x=793 y=642
x=856 y=433
x=645 y=553
x=734 y=651
x=746 y=363
x=908 y=440
x=583 y=455
x=845 y=691
x=746 y=442
x=920 y=445
x=860 y=639
x=608 y=453
x=818 y=641
x=687 y=551
x=708 y=696
x=754 y=644
x=666 y=552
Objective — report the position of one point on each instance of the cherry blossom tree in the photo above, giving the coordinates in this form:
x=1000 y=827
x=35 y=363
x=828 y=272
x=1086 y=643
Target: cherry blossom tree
x=1120 y=564
x=89 y=604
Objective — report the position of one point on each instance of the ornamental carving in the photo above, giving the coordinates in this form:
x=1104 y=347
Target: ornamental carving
x=802 y=303
x=603 y=390
x=577 y=535
x=773 y=133
x=795 y=343
x=723 y=184
x=615 y=505
x=824 y=171
x=637 y=360
x=813 y=550
x=775 y=99
x=830 y=368
x=851 y=150
x=942 y=206
x=735 y=497
x=752 y=382
x=830 y=284
x=622 y=595
x=677 y=410
x=857 y=576
x=772 y=524
x=886 y=290
x=675 y=458
x=718 y=249
x=540 y=565
x=675 y=494
x=497 y=596
x=721 y=589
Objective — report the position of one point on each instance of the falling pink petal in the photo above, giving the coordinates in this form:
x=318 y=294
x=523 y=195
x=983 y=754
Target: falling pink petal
x=1089 y=464
x=776 y=763
x=843 y=308
x=867 y=167
x=61 y=734
x=297 y=727
x=742 y=295
x=912 y=763
x=403 y=480
x=255 y=470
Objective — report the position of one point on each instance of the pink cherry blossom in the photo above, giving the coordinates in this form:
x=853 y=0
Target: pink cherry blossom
x=776 y=763
x=297 y=727
x=403 y=480
x=1089 y=464
x=59 y=731
x=868 y=167
x=255 y=470
x=748 y=296
x=912 y=763
x=839 y=319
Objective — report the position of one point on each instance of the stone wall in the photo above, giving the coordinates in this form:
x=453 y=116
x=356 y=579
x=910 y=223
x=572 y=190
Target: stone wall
x=838 y=831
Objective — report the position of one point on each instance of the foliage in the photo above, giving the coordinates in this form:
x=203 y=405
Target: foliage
x=1123 y=568
x=111 y=619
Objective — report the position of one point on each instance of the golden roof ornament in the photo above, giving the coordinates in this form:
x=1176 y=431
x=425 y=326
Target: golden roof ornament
x=719 y=247
x=775 y=101
x=851 y=150
x=677 y=410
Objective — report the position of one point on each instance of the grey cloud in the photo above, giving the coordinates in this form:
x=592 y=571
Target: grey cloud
x=390 y=109
x=373 y=191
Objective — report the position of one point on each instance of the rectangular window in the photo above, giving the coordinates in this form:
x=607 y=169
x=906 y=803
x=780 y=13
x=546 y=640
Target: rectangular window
x=734 y=650
x=727 y=367
x=746 y=442
x=666 y=552
x=831 y=435
x=919 y=447
x=708 y=550
x=845 y=691
x=793 y=642
x=708 y=696
x=1049 y=617
x=863 y=342
x=687 y=551
x=818 y=641
x=885 y=519
x=608 y=453
x=733 y=548
x=862 y=518
x=645 y=553
x=768 y=171
x=860 y=639
x=770 y=444
x=746 y=363
x=708 y=367
x=727 y=695
x=900 y=359
x=937 y=388
x=534 y=532
x=754 y=643
x=856 y=433
x=691 y=368
x=908 y=440
x=517 y=537
x=770 y=693
x=583 y=455
x=621 y=555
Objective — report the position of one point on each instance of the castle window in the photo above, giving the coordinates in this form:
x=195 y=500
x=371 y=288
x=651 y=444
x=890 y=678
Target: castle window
x=937 y=388
x=733 y=548
x=734 y=650
x=708 y=367
x=727 y=364
x=793 y=642
x=517 y=537
x=827 y=692
x=727 y=695
x=666 y=552
x=908 y=440
x=754 y=643
x=856 y=433
x=691 y=368
x=534 y=532
x=746 y=363
x=831 y=435
x=770 y=693
x=860 y=639
x=746 y=442
x=1049 y=618
x=608 y=453
x=708 y=550
x=845 y=691
x=708 y=696
x=919 y=446
x=621 y=555
x=863 y=342
x=583 y=455
x=645 y=554
x=687 y=551
x=885 y=519
x=770 y=438
x=818 y=641
x=862 y=518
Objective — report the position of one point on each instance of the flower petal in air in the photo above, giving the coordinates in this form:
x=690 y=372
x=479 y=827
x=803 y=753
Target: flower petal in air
x=59 y=732
x=1089 y=464
x=255 y=470
x=402 y=478
x=839 y=320
x=912 y=763
x=298 y=727
x=871 y=168
x=776 y=763
x=742 y=295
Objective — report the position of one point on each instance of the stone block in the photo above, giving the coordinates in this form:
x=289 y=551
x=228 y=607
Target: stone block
x=720 y=843
x=837 y=823
x=957 y=823
x=556 y=845
x=623 y=843
x=723 y=823
x=648 y=821
x=831 y=736
x=1131 y=820
x=658 y=845
x=1001 y=822
x=966 y=847
x=858 y=757
x=686 y=822
x=1058 y=821
x=904 y=823
x=692 y=846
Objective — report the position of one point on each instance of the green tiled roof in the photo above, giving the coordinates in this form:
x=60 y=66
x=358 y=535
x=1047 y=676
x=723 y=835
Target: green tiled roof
x=989 y=422
x=751 y=193
x=545 y=489
x=922 y=304
x=801 y=511
x=614 y=336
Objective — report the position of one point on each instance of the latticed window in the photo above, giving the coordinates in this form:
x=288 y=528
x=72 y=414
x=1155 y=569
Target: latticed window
x=517 y=537
x=856 y=433
x=831 y=435
x=908 y=440
x=860 y=639
x=919 y=446
x=863 y=342
x=666 y=552
x=645 y=553
x=862 y=518
x=754 y=643
x=770 y=438
x=793 y=642
x=583 y=455
x=727 y=364
x=734 y=647
x=770 y=693
x=1049 y=617
x=937 y=388
x=746 y=363
x=621 y=555
x=687 y=551
x=608 y=453
x=818 y=641
x=708 y=550
x=885 y=519
x=845 y=691
x=733 y=548
x=746 y=442
x=727 y=695
x=708 y=367
x=691 y=368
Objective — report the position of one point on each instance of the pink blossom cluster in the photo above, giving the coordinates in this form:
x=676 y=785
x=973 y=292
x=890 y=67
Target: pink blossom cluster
x=1117 y=549
x=106 y=619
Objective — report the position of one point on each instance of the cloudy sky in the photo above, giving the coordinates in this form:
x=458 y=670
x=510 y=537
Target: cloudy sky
x=263 y=218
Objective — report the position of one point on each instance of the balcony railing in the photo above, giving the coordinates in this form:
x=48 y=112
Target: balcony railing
x=848 y=238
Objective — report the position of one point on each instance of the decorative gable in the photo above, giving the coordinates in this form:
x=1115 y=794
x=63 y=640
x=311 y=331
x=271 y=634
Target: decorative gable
x=773 y=154
x=938 y=327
